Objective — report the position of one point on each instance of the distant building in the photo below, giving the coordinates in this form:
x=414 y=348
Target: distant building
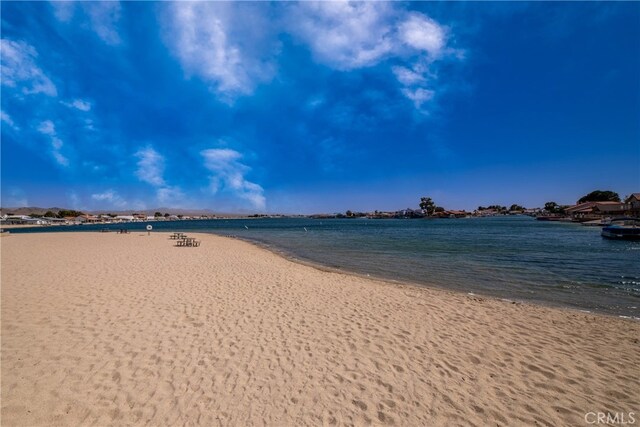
x=594 y=210
x=632 y=205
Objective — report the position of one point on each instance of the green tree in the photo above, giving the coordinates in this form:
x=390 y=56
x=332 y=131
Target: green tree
x=64 y=213
x=600 y=196
x=167 y=215
x=427 y=205
x=50 y=214
x=349 y=214
x=515 y=207
x=157 y=214
x=551 y=207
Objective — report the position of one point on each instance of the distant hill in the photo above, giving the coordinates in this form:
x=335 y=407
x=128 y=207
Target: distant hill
x=172 y=211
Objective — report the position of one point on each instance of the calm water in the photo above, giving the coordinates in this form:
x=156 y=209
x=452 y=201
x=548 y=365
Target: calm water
x=508 y=257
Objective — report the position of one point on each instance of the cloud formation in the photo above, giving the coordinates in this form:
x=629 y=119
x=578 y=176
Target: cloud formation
x=48 y=129
x=110 y=199
x=78 y=104
x=352 y=35
x=19 y=69
x=5 y=118
x=150 y=166
x=207 y=40
x=345 y=35
x=101 y=16
x=228 y=174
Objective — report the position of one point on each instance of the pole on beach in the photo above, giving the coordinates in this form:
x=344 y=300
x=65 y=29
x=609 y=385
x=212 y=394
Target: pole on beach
x=149 y=228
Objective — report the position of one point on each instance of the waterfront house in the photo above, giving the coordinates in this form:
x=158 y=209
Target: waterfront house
x=632 y=205
x=595 y=210
x=87 y=219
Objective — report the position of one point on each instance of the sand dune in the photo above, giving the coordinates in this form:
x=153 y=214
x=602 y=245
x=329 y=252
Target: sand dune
x=109 y=329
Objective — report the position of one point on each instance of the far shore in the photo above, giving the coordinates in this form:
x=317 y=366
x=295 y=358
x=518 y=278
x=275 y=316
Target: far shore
x=110 y=329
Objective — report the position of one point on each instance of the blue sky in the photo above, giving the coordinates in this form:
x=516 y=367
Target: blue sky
x=317 y=107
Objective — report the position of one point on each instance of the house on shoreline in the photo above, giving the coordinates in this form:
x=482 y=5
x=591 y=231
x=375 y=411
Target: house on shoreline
x=633 y=205
x=588 y=211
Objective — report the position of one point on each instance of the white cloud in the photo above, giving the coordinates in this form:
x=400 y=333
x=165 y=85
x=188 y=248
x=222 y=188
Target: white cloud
x=228 y=45
x=111 y=198
x=150 y=166
x=59 y=158
x=104 y=16
x=422 y=33
x=229 y=175
x=78 y=104
x=346 y=35
x=419 y=96
x=48 y=129
x=350 y=35
x=19 y=69
x=101 y=16
x=6 y=118
x=407 y=76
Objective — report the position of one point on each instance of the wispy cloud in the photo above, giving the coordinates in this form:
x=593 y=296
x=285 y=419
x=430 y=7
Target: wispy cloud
x=150 y=166
x=228 y=174
x=102 y=17
x=109 y=198
x=6 y=118
x=78 y=104
x=345 y=35
x=352 y=35
x=422 y=33
x=19 y=69
x=204 y=36
x=48 y=129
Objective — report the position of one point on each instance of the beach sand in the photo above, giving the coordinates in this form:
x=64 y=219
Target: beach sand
x=109 y=329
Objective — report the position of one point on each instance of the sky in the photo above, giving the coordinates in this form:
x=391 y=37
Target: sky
x=310 y=107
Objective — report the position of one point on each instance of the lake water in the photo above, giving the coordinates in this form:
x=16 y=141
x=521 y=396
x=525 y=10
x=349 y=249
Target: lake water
x=509 y=257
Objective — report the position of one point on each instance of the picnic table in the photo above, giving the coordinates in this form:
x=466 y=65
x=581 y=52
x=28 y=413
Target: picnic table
x=188 y=241
x=176 y=236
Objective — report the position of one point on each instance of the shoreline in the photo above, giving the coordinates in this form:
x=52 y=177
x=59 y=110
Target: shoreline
x=608 y=290
x=128 y=329
x=290 y=256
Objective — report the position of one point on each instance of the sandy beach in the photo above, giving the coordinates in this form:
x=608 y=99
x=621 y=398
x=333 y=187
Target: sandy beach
x=110 y=329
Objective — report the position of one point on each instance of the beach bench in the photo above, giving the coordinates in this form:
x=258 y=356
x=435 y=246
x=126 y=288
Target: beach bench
x=188 y=241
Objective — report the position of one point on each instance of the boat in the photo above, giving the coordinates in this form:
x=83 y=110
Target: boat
x=597 y=222
x=622 y=229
